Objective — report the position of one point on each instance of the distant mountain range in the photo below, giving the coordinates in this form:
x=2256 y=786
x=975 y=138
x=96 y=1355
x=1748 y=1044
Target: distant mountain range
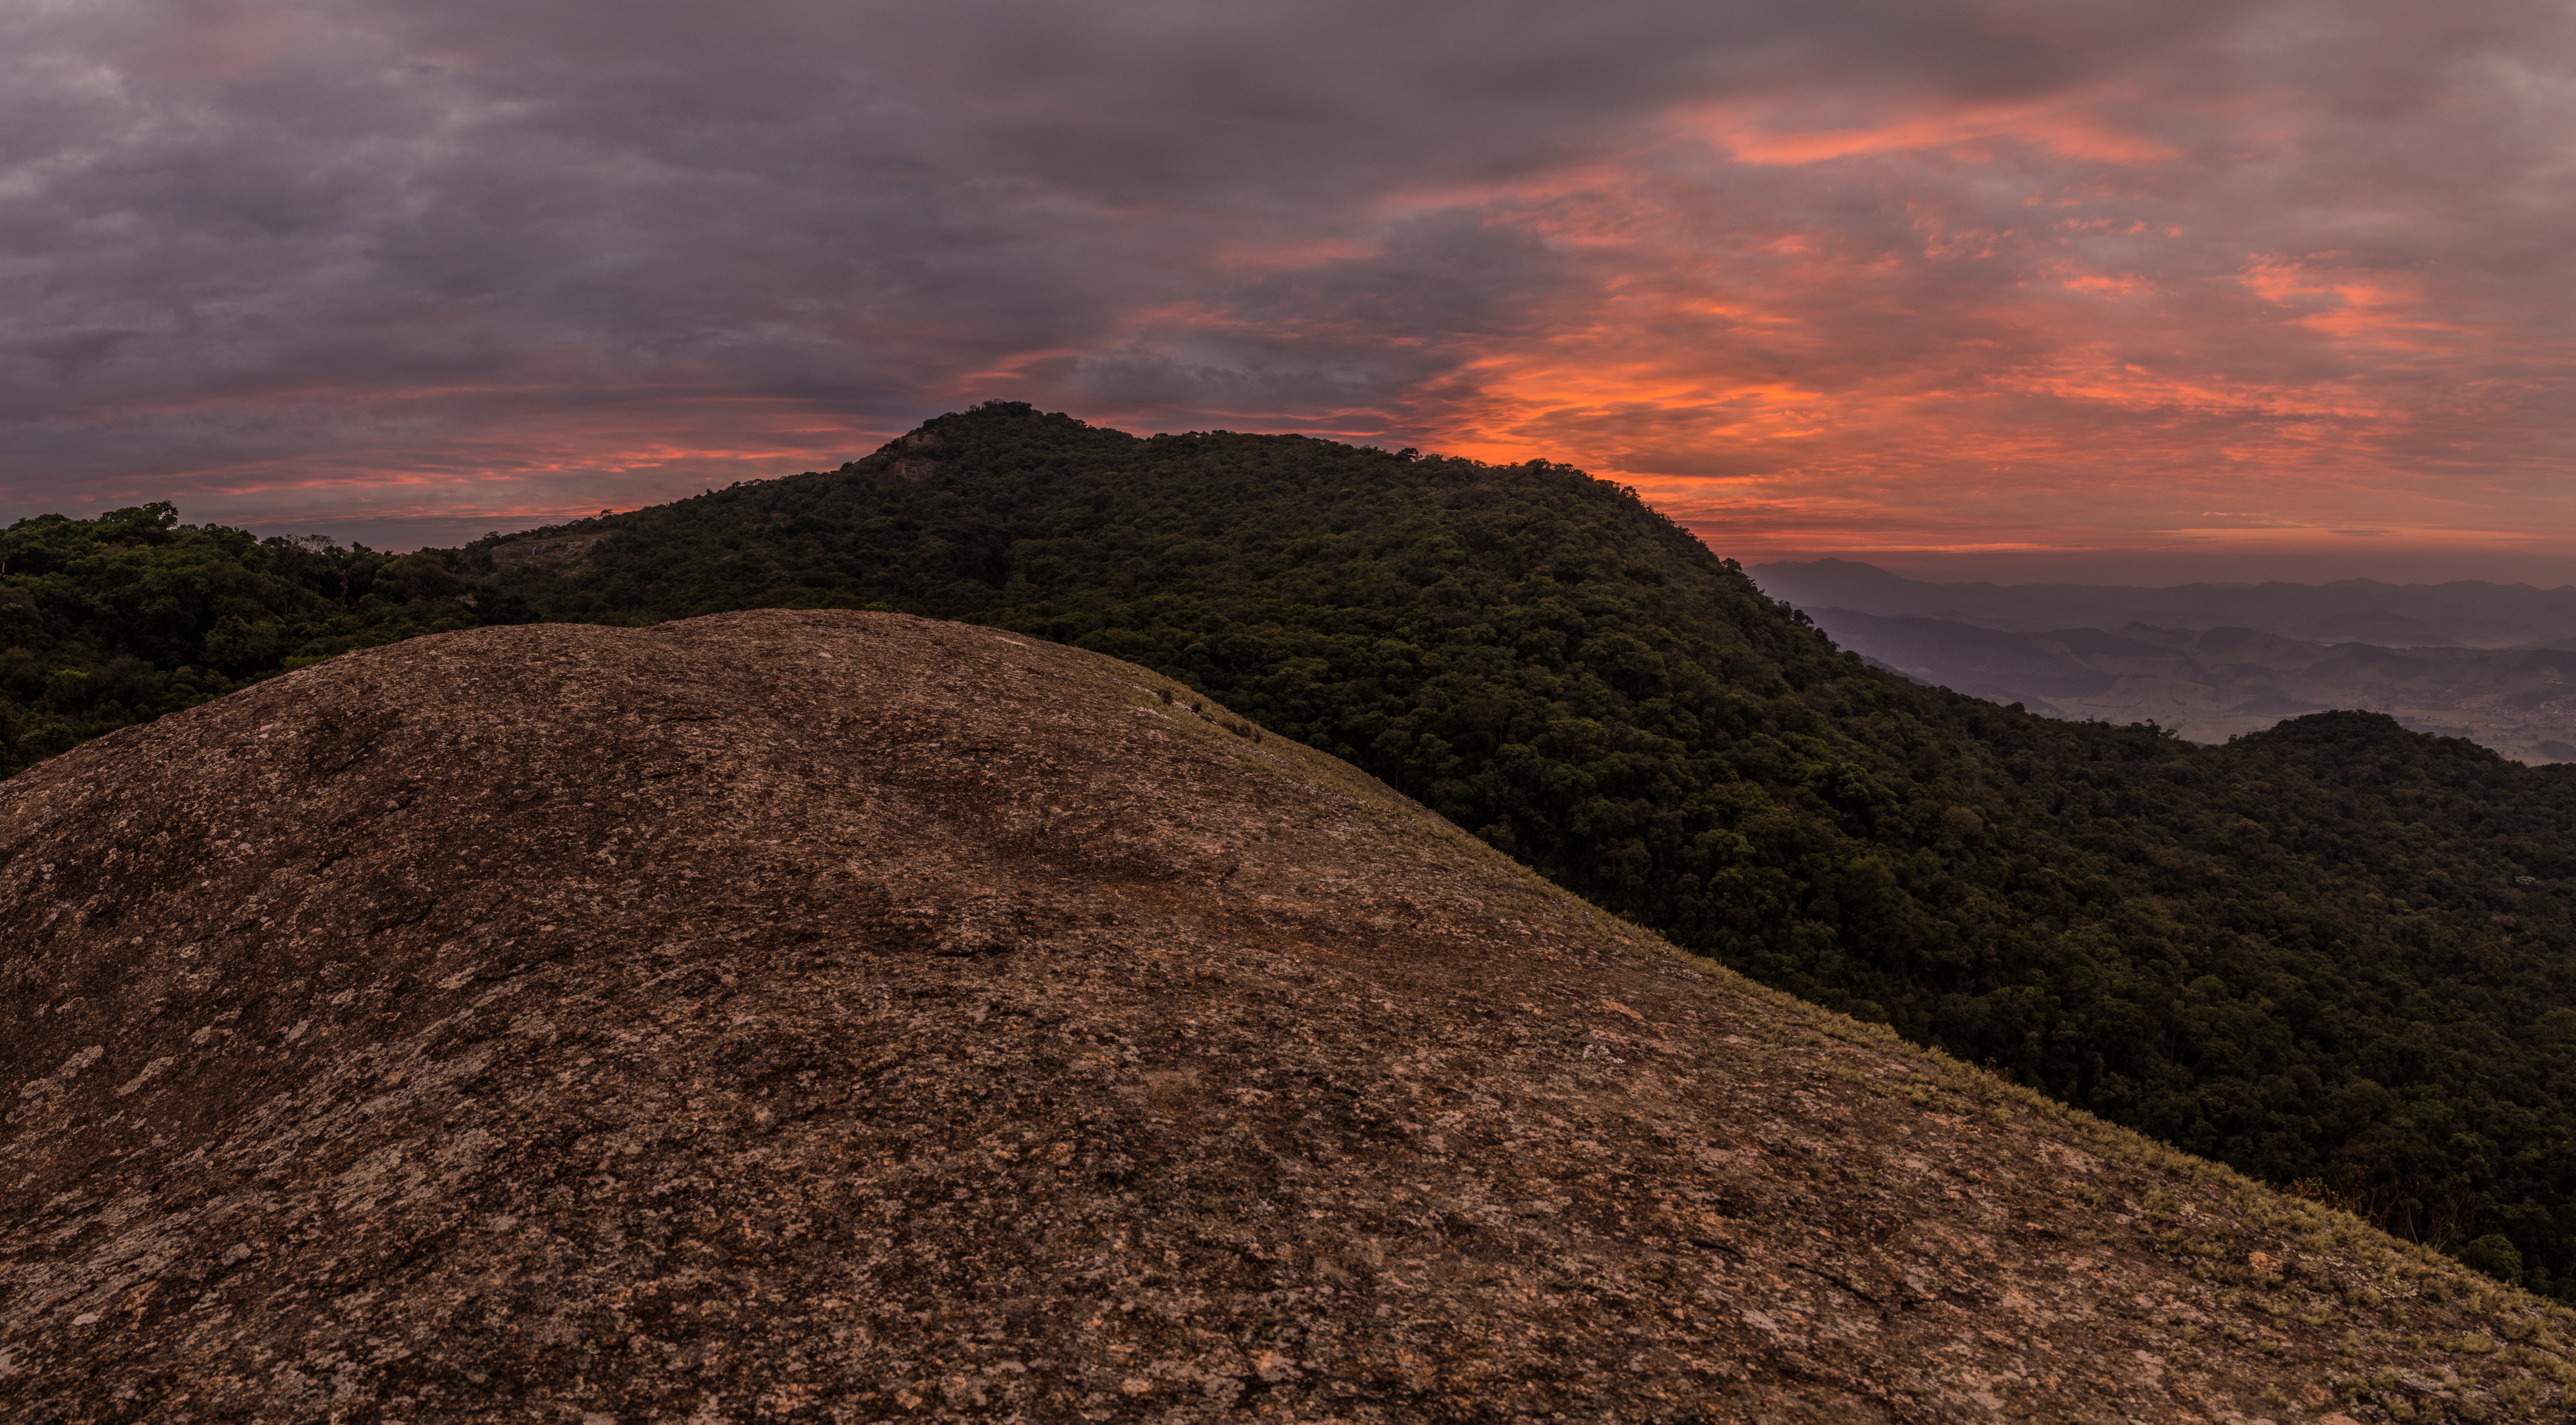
x=2495 y=663
x=2465 y=614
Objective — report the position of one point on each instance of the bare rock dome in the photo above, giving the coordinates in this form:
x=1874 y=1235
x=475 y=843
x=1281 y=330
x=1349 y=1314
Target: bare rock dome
x=827 y=1016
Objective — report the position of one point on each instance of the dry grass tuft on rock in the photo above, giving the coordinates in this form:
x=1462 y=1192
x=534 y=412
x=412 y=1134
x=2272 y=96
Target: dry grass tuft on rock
x=841 y=1016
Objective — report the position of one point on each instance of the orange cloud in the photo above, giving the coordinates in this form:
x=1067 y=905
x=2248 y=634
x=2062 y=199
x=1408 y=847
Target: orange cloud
x=1773 y=131
x=1958 y=376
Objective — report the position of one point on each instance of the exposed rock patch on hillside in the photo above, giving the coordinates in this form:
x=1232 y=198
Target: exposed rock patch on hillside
x=530 y=553
x=845 y=1016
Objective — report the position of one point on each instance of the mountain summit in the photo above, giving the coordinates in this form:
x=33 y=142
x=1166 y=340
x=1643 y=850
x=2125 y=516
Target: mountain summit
x=851 y=1016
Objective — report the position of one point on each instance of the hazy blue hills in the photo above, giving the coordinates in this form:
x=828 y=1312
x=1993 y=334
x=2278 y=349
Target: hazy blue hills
x=2466 y=613
x=2213 y=684
x=2488 y=662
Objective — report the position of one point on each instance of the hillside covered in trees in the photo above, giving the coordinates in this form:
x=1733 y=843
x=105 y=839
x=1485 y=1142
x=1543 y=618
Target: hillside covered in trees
x=116 y=620
x=2334 y=954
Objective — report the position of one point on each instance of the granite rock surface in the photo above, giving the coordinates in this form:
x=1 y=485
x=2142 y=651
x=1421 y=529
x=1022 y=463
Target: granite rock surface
x=837 y=1016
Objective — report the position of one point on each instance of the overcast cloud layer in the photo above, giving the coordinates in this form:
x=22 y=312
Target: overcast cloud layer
x=2039 y=284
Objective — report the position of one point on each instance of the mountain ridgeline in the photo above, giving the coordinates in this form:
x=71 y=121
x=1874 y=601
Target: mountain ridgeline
x=2211 y=684
x=2334 y=955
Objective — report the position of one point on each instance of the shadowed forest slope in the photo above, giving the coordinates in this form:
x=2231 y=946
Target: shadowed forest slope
x=812 y=1016
x=116 y=620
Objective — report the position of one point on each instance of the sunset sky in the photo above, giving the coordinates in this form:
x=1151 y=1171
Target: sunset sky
x=2028 y=289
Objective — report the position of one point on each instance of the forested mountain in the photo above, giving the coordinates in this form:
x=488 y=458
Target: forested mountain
x=116 y=620
x=2334 y=954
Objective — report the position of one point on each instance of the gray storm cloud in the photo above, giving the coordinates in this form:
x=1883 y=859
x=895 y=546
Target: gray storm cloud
x=387 y=268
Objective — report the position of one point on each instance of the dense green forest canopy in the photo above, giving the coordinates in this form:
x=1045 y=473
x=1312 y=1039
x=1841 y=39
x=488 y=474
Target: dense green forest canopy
x=116 y=620
x=2334 y=954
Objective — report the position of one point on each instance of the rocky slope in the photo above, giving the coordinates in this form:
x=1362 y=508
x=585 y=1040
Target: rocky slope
x=846 y=1016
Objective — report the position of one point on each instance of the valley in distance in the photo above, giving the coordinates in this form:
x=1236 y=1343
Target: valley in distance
x=1044 y=922
x=2494 y=663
